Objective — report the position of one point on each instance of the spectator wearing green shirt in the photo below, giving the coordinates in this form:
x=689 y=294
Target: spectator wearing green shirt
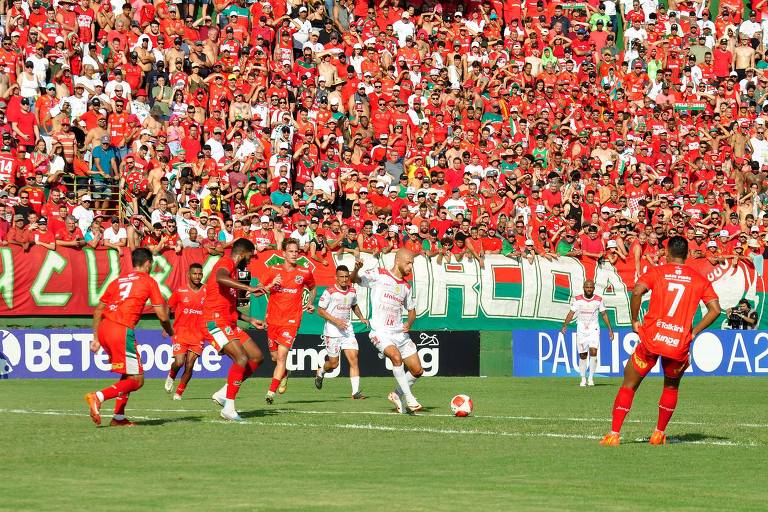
x=567 y=246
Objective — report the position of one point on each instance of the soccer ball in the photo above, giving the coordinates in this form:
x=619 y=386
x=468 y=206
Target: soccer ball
x=461 y=406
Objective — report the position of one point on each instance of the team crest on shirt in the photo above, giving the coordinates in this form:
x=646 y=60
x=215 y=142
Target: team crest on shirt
x=299 y=279
x=398 y=289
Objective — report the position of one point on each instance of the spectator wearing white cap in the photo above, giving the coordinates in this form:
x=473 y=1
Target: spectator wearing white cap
x=303 y=27
x=403 y=28
x=83 y=213
x=283 y=158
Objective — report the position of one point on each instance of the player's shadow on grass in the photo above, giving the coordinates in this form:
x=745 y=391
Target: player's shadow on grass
x=312 y=401
x=162 y=421
x=262 y=413
x=692 y=437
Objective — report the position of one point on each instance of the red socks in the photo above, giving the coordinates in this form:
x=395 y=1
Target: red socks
x=621 y=407
x=180 y=389
x=250 y=368
x=275 y=384
x=234 y=379
x=120 y=388
x=667 y=404
x=120 y=403
x=172 y=373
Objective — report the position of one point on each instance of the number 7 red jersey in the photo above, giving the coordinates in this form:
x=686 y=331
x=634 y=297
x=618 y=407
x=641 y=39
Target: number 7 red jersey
x=126 y=296
x=676 y=291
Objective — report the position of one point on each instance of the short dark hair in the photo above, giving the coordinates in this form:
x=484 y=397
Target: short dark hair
x=243 y=245
x=195 y=266
x=678 y=247
x=342 y=268
x=140 y=256
x=290 y=241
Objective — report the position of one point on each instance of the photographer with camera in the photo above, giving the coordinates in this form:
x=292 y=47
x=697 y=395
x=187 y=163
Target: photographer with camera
x=742 y=316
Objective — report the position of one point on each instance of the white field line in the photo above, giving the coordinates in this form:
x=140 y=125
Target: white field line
x=384 y=428
x=438 y=415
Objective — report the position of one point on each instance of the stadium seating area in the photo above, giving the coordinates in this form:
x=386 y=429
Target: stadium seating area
x=537 y=128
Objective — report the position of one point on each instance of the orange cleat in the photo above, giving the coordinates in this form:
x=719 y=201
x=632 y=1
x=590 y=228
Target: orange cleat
x=121 y=423
x=611 y=439
x=658 y=438
x=93 y=405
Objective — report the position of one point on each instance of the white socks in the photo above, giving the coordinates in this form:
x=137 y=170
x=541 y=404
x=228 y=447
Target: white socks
x=582 y=367
x=229 y=405
x=222 y=390
x=403 y=384
x=592 y=366
x=355 y=384
x=411 y=381
x=100 y=396
x=321 y=371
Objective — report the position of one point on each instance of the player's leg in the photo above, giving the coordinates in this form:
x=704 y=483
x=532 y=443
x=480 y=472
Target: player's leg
x=179 y=357
x=414 y=371
x=234 y=378
x=254 y=353
x=635 y=371
x=392 y=353
x=118 y=417
x=333 y=351
x=279 y=373
x=592 y=365
x=189 y=368
x=352 y=355
x=583 y=368
x=673 y=374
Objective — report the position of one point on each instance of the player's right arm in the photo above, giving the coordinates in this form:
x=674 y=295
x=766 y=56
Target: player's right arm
x=223 y=278
x=158 y=304
x=635 y=302
x=354 y=276
x=95 y=345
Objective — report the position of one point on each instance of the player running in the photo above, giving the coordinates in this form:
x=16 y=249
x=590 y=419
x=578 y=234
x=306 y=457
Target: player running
x=187 y=306
x=115 y=317
x=390 y=294
x=585 y=308
x=676 y=290
x=220 y=328
x=284 y=310
x=336 y=306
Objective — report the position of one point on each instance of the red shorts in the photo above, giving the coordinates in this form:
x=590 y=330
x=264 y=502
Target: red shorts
x=643 y=360
x=119 y=343
x=183 y=344
x=219 y=333
x=281 y=335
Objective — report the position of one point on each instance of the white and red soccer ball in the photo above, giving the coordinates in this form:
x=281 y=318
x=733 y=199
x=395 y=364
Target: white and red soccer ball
x=461 y=406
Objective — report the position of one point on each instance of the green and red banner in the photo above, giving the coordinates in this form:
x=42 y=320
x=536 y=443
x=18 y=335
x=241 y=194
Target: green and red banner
x=506 y=294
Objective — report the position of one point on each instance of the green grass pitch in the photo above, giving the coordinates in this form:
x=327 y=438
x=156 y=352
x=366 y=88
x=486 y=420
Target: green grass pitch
x=532 y=445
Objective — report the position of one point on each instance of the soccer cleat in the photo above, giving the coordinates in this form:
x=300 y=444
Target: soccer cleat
x=93 y=407
x=270 y=397
x=218 y=399
x=611 y=439
x=284 y=383
x=359 y=396
x=168 y=384
x=318 y=381
x=590 y=382
x=125 y=422
x=412 y=404
x=230 y=415
x=583 y=383
x=658 y=438
x=176 y=396
x=396 y=401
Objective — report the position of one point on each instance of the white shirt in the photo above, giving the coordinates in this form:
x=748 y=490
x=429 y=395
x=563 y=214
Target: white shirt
x=79 y=105
x=389 y=297
x=748 y=28
x=339 y=304
x=302 y=239
x=217 y=149
x=112 y=237
x=402 y=29
x=326 y=186
x=84 y=217
x=456 y=206
x=586 y=310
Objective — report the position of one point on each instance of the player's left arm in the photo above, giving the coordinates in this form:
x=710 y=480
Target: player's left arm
x=568 y=319
x=259 y=324
x=411 y=318
x=710 y=299
x=311 y=301
x=359 y=314
x=95 y=345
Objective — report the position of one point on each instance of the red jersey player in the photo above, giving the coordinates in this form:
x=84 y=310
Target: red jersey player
x=666 y=332
x=220 y=317
x=186 y=303
x=284 y=310
x=114 y=319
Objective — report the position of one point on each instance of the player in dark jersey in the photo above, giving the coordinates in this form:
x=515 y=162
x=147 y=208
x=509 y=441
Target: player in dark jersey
x=114 y=320
x=666 y=333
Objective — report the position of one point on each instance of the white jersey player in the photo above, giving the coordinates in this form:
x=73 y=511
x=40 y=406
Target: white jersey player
x=390 y=295
x=336 y=306
x=585 y=308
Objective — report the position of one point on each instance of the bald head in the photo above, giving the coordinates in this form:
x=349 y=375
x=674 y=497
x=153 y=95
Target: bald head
x=403 y=262
x=589 y=288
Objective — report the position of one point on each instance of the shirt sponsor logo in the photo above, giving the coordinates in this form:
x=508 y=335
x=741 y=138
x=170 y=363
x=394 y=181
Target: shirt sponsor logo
x=668 y=340
x=670 y=327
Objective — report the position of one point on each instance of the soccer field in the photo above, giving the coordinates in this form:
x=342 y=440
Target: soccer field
x=532 y=445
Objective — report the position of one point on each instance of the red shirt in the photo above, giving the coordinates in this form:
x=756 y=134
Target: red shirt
x=676 y=291
x=125 y=297
x=221 y=301
x=285 y=305
x=187 y=307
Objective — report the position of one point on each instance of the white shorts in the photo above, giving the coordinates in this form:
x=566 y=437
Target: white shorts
x=401 y=340
x=587 y=340
x=334 y=345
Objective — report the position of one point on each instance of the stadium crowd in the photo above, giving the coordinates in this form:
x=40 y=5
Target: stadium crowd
x=595 y=129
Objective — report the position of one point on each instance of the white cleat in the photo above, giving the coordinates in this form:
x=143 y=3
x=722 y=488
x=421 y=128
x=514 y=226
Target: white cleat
x=218 y=399
x=396 y=401
x=230 y=415
x=176 y=396
x=583 y=383
x=590 y=382
x=412 y=404
x=168 y=384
